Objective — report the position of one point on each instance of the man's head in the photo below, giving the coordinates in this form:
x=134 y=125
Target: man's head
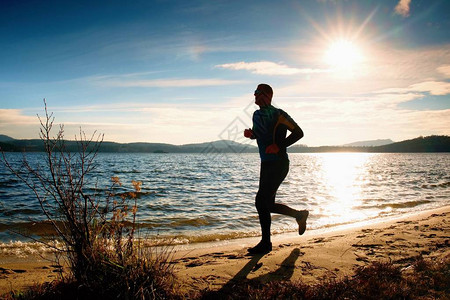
x=263 y=95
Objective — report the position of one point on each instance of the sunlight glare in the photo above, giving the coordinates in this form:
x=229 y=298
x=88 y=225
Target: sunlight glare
x=343 y=54
x=342 y=171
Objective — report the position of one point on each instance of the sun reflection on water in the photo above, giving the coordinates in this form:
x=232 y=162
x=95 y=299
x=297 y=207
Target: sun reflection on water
x=344 y=174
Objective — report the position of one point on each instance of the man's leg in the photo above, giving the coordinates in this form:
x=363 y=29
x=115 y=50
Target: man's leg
x=271 y=175
x=280 y=172
x=263 y=203
x=263 y=207
x=283 y=209
x=299 y=215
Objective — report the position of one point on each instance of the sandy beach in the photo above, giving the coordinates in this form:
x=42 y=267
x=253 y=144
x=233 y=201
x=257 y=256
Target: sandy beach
x=333 y=252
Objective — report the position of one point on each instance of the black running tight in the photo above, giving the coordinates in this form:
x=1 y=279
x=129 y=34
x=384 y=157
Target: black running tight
x=271 y=176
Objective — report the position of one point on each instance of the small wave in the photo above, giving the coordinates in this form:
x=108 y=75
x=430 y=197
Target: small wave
x=11 y=182
x=196 y=222
x=164 y=240
x=137 y=194
x=369 y=200
x=23 y=211
x=24 y=249
x=408 y=204
x=176 y=223
x=187 y=177
x=127 y=172
x=42 y=228
x=438 y=185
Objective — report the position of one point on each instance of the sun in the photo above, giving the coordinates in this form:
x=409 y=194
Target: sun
x=343 y=54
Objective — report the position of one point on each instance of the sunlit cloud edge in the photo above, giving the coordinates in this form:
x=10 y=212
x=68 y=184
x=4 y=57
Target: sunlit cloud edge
x=269 y=68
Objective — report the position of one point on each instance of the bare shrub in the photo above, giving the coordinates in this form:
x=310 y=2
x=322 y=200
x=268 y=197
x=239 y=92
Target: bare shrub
x=97 y=228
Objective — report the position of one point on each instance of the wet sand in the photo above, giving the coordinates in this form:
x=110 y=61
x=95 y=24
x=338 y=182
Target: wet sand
x=317 y=254
x=332 y=253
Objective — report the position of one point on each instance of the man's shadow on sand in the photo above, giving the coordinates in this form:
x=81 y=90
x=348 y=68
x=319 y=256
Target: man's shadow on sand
x=284 y=272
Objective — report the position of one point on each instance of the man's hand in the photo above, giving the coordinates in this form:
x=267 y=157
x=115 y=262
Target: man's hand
x=272 y=149
x=248 y=133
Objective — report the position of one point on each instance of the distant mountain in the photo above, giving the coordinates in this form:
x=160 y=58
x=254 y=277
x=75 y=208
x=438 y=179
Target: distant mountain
x=432 y=143
x=221 y=146
x=5 y=138
x=372 y=143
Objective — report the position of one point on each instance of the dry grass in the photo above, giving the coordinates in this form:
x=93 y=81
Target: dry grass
x=96 y=229
x=423 y=279
x=379 y=280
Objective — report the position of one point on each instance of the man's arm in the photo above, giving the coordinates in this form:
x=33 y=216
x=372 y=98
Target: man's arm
x=250 y=133
x=295 y=135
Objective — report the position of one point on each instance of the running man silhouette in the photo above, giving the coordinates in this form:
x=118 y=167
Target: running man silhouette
x=270 y=126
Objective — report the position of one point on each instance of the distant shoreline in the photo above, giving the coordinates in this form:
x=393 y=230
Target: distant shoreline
x=429 y=144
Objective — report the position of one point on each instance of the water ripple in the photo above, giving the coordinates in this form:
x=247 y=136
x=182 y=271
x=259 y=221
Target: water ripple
x=197 y=197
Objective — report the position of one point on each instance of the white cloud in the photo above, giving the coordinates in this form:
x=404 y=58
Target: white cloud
x=336 y=121
x=385 y=68
x=17 y=125
x=329 y=109
x=407 y=65
x=174 y=123
x=131 y=122
x=335 y=111
x=325 y=120
x=444 y=69
x=165 y=83
x=436 y=88
x=402 y=8
x=14 y=117
x=268 y=68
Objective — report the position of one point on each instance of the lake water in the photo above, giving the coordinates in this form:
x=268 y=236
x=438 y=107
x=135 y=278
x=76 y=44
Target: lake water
x=205 y=197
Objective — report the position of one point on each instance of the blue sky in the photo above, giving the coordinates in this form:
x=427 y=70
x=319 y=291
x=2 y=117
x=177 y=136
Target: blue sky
x=185 y=71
